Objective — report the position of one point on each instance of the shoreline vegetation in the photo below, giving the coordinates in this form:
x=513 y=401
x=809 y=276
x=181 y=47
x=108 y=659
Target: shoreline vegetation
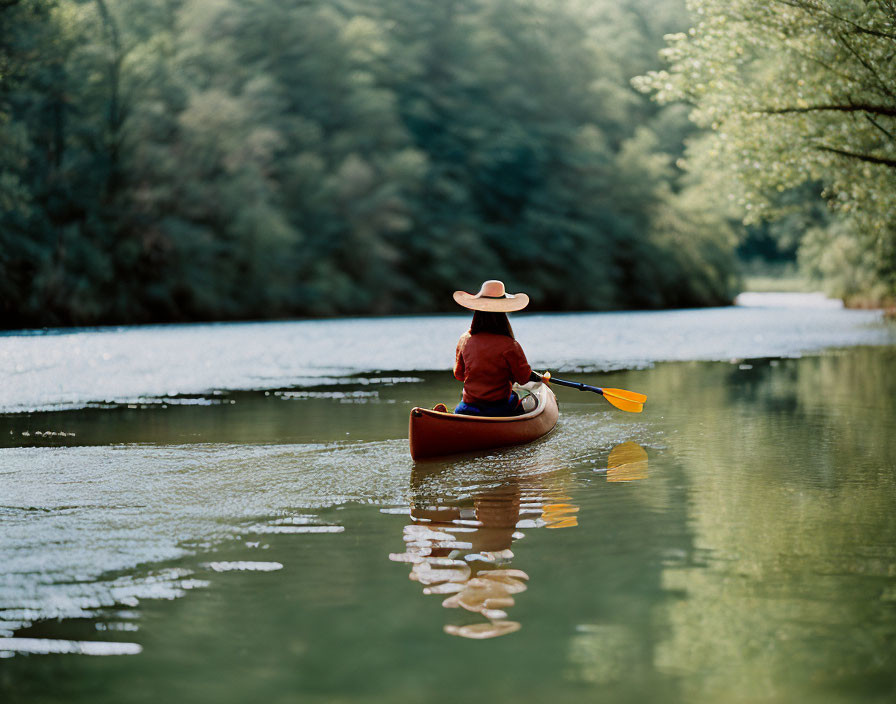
x=756 y=277
x=190 y=161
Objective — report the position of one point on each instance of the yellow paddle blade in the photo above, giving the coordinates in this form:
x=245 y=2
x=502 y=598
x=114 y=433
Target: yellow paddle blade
x=627 y=462
x=628 y=395
x=623 y=404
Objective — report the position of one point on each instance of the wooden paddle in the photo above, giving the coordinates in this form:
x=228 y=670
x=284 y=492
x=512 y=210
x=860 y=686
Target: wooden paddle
x=630 y=401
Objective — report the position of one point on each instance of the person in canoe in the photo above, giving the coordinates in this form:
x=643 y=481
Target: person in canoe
x=488 y=358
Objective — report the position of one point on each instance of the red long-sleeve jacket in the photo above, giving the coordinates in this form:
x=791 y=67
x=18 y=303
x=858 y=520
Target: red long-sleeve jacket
x=488 y=364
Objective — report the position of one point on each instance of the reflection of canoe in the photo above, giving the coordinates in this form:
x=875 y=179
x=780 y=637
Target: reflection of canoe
x=433 y=433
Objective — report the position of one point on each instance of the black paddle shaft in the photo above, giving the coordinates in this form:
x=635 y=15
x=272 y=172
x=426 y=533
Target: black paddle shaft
x=571 y=384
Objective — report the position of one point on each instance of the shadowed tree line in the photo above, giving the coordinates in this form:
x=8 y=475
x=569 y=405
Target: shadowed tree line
x=222 y=159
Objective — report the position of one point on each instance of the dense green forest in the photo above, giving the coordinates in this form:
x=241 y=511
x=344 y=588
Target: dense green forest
x=224 y=159
x=220 y=159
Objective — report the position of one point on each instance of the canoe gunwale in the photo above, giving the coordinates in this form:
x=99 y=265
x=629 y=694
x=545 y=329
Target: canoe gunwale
x=537 y=389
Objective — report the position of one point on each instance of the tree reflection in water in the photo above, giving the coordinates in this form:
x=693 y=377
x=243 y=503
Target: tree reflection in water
x=461 y=548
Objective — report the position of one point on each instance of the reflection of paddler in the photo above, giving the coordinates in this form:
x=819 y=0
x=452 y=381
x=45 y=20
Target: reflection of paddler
x=627 y=462
x=482 y=535
x=487 y=527
x=498 y=511
x=463 y=551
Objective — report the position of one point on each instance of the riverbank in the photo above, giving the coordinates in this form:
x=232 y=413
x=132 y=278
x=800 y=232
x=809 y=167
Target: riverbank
x=790 y=280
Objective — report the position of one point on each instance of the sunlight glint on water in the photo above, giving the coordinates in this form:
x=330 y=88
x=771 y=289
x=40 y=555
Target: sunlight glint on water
x=69 y=369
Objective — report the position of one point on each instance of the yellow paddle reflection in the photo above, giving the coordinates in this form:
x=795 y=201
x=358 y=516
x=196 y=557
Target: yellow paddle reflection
x=627 y=462
x=560 y=513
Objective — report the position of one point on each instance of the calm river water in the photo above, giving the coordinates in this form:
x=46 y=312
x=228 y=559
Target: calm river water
x=229 y=513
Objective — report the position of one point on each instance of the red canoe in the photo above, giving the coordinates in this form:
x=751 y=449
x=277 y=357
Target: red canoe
x=434 y=434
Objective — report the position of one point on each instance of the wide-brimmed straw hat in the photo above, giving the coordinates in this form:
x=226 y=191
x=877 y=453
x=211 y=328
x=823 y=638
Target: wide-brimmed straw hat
x=492 y=298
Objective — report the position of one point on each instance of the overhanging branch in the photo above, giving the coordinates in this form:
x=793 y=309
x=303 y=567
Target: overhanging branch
x=870 y=158
x=880 y=127
x=810 y=7
x=889 y=111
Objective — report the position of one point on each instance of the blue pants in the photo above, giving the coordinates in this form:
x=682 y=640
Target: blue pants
x=510 y=407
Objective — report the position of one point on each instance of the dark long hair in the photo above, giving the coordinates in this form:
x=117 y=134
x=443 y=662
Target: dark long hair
x=487 y=321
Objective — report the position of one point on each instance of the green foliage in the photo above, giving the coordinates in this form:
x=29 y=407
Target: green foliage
x=187 y=159
x=799 y=92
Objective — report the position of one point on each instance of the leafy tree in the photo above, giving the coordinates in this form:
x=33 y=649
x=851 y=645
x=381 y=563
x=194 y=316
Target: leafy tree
x=21 y=36
x=799 y=91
